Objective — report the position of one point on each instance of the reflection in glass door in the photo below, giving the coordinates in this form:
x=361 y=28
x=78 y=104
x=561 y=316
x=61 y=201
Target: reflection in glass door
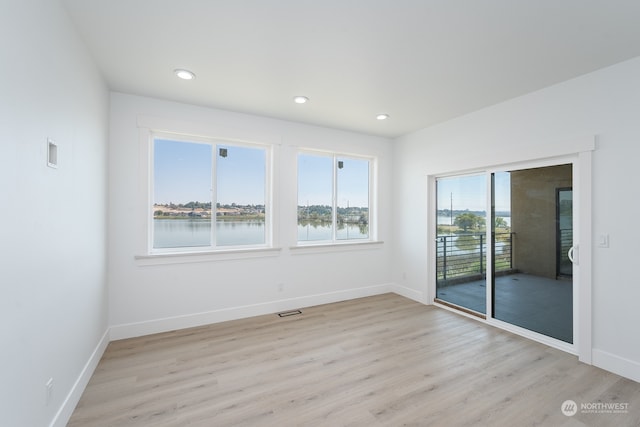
x=536 y=291
x=564 y=233
x=461 y=246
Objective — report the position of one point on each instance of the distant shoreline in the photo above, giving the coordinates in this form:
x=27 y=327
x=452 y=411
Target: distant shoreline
x=208 y=218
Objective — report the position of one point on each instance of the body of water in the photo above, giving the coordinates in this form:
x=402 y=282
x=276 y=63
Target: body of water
x=323 y=231
x=176 y=233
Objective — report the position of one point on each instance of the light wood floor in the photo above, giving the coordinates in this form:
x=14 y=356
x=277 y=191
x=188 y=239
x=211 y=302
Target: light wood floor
x=377 y=361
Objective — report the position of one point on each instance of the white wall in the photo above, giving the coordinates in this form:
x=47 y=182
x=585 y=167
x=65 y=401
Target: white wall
x=604 y=103
x=53 y=307
x=152 y=298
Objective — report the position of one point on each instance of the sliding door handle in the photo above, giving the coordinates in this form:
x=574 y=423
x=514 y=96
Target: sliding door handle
x=573 y=254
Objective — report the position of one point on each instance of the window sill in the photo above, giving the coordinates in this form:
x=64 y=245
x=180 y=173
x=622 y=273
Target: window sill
x=205 y=256
x=312 y=248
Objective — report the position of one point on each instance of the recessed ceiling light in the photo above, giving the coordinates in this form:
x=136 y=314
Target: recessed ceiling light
x=184 y=74
x=382 y=116
x=300 y=99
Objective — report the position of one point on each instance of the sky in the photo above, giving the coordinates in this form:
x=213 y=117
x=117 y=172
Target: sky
x=315 y=181
x=470 y=192
x=183 y=173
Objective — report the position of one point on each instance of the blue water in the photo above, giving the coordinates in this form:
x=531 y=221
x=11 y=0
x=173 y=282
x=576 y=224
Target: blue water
x=177 y=233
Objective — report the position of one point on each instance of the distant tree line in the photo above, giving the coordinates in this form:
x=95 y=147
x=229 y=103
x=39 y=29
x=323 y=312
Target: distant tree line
x=447 y=212
x=203 y=210
x=207 y=205
x=190 y=205
x=470 y=221
x=324 y=213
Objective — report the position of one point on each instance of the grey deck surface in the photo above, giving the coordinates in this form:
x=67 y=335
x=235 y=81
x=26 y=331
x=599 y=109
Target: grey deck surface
x=536 y=303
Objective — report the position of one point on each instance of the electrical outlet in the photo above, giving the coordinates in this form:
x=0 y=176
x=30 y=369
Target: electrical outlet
x=49 y=391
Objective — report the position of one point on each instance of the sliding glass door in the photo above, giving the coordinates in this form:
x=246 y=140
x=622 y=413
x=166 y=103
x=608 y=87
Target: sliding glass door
x=529 y=213
x=536 y=291
x=461 y=245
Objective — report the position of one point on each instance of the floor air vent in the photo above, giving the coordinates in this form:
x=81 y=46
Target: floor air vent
x=289 y=313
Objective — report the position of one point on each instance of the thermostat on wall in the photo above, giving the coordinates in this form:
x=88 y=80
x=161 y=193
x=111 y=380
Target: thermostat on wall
x=52 y=153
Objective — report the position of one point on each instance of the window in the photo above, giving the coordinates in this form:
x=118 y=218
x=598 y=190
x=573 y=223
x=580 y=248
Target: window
x=333 y=198
x=208 y=195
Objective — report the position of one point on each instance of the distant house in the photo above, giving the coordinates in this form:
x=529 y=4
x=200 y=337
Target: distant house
x=228 y=212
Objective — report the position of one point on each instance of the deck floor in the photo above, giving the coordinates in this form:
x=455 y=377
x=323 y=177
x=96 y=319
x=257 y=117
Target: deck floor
x=536 y=303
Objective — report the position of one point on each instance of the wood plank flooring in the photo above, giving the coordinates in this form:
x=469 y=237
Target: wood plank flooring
x=377 y=361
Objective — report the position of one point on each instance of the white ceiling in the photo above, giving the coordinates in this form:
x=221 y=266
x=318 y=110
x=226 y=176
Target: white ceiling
x=420 y=61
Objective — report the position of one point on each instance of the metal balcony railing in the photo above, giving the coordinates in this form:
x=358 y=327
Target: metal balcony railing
x=462 y=255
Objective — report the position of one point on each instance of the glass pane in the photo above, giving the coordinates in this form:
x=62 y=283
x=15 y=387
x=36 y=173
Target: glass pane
x=460 y=241
x=503 y=244
x=315 y=190
x=353 y=199
x=241 y=192
x=182 y=194
x=528 y=290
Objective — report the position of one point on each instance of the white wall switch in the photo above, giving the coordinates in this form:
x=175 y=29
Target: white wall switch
x=52 y=153
x=603 y=240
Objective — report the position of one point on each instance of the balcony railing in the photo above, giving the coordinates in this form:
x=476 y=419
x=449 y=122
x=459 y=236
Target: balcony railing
x=464 y=255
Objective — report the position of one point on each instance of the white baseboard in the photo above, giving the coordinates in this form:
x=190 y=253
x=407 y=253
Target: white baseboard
x=407 y=292
x=66 y=410
x=616 y=364
x=131 y=330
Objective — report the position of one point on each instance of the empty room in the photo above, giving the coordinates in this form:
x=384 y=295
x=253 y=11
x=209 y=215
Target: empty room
x=294 y=213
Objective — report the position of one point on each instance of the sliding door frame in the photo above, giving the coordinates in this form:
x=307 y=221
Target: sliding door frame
x=582 y=301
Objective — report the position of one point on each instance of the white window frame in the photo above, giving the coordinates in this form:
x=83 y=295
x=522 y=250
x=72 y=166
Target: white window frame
x=216 y=143
x=372 y=189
